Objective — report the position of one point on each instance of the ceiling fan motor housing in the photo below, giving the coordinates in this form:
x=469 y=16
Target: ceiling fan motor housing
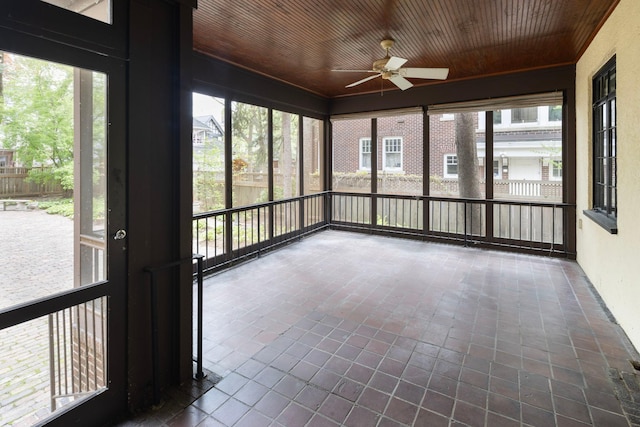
x=380 y=64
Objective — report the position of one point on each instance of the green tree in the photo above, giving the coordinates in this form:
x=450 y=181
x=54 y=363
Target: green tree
x=37 y=116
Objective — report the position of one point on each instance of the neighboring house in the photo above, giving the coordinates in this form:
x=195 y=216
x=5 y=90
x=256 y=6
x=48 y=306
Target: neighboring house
x=6 y=158
x=207 y=136
x=527 y=147
x=206 y=128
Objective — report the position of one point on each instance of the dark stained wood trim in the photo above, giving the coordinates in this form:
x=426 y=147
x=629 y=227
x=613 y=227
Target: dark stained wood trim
x=528 y=82
x=218 y=78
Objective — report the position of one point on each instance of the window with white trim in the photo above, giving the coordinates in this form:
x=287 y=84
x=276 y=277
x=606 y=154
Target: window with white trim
x=450 y=166
x=392 y=154
x=365 y=153
x=556 y=170
x=524 y=115
x=496 y=169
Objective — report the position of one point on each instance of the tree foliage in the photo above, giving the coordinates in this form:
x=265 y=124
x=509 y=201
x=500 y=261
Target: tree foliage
x=37 y=115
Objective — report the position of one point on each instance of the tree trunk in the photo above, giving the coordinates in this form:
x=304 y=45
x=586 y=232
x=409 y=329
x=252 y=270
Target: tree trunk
x=468 y=179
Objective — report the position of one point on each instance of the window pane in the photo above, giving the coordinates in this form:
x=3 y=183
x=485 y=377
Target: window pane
x=497 y=117
x=285 y=155
x=350 y=172
x=365 y=153
x=52 y=361
x=530 y=157
x=54 y=128
x=457 y=148
x=313 y=137
x=555 y=113
x=401 y=152
x=604 y=140
x=208 y=153
x=250 y=154
x=96 y=9
x=524 y=115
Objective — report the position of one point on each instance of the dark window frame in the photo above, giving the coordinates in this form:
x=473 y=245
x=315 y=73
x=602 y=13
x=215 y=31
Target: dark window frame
x=604 y=140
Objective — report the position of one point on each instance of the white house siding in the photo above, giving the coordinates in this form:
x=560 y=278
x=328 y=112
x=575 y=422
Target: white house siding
x=612 y=262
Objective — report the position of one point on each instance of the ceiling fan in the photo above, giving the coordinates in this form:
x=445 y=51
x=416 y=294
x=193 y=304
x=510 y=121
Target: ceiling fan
x=389 y=68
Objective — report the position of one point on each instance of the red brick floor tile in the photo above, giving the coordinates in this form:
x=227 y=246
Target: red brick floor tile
x=438 y=403
x=383 y=382
x=359 y=373
x=373 y=399
x=311 y=397
x=325 y=379
x=336 y=408
x=294 y=415
x=303 y=370
x=320 y=421
x=211 y=400
x=251 y=393
x=401 y=411
x=348 y=389
x=289 y=386
x=409 y=392
x=361 y=417
x=471 y=415
x=427 y=418
x=537 y=398
x=504 y=406
x=472 y=394
x=433 y=333
x=231 y=383
x=498 y=420
x=190 y=416
x=269 y=376
x=230 y=411
x=272 y=404
x=537 y=417
x=253 y=418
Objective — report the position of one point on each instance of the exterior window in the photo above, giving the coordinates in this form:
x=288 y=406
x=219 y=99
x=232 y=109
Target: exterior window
x=555 y=113
x=450 y=166
x=605 y=141
x=524 y=115
x=497 y=117
x=496 y=169
x=556 y=169
x=392 y=153
x=365 y=153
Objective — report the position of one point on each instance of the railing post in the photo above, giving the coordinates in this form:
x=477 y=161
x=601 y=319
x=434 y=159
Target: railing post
x=199 y=374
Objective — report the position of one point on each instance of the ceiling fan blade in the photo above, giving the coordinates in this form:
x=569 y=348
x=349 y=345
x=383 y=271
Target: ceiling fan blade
x=394 y=63
x=401 y=82
x=356 y=71
x=363 y=80
x=425 y=73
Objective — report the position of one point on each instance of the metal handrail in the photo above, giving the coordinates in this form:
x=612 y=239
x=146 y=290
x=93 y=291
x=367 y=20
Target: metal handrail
x=154 y=318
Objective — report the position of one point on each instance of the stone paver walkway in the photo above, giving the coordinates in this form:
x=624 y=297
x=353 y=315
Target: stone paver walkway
x=36 y=250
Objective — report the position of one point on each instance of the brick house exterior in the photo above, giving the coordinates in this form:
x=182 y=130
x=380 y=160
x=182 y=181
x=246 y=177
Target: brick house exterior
x=527 y=151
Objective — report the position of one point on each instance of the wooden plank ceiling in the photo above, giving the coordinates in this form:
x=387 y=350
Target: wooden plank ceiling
x=300 y=42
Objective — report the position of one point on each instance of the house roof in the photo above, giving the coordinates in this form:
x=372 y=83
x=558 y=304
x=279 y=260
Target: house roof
x=300 y=42
x=208 y=122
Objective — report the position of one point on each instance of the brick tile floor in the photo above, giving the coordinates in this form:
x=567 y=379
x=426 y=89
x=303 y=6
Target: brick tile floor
x=347 y=329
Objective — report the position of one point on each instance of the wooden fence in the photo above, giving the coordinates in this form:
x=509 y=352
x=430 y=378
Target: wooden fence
x=15 y=182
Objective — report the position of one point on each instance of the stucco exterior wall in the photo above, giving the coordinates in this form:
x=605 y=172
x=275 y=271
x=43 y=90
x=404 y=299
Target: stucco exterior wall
x=612 y=262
